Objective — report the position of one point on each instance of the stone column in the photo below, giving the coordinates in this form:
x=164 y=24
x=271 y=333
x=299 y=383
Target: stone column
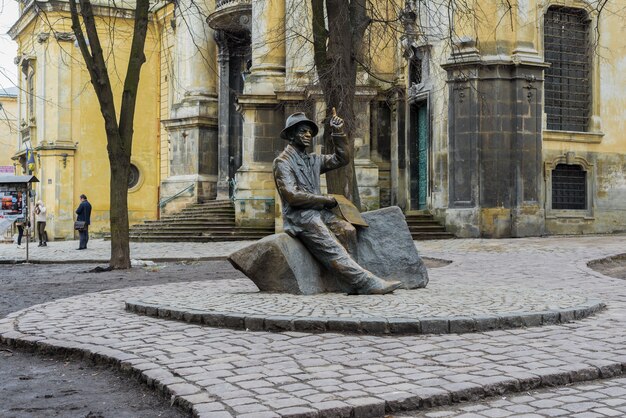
x=223 y=60
x=263 y=115
x=366 y=169
x=526 y=23
x=192 y=127
x=299 y=52
x=195 y=52
x=268 y=48
x=53 y=145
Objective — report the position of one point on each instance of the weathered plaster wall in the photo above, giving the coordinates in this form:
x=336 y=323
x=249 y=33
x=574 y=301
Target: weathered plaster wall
x=8 y=128
x=68 y=130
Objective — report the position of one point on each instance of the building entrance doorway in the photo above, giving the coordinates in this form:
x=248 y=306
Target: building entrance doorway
x=418 y=155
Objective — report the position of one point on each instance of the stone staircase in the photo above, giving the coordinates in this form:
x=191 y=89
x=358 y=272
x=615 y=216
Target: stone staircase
x=423 y=226
x=200 y=222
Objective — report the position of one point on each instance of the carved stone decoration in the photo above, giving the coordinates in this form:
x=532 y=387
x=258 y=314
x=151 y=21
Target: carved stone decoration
x=414 y=90
x=280 y=263
x=530 y=79
x=65 y=36
x=408 y=40
x=43 y=37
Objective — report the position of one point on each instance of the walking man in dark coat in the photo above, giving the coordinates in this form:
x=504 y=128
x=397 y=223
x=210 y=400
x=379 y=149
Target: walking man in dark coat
x=306 y=212
x=84 y=214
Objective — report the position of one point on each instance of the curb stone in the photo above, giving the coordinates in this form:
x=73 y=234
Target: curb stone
x=371 y=326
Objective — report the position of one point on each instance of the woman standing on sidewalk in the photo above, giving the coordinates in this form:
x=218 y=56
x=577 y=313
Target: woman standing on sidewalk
x=84 y=214
x=40 y=218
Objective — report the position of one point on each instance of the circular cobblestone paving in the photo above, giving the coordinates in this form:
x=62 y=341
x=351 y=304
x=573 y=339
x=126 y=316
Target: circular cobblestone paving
x=442 y=307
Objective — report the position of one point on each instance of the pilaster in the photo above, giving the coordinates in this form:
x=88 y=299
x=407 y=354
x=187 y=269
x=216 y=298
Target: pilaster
x=494 y=145
x=254 y=194
x=193 y=123
x=267 y=74
x=55 y=164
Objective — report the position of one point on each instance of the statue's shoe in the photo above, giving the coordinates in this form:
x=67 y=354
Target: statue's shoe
x=377 y=286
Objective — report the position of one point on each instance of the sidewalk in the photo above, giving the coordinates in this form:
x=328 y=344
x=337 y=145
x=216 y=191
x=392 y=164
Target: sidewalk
x=219 y=372
x=99 y=251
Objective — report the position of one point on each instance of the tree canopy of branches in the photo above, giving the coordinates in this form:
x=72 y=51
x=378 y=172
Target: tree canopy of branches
x=119 y=132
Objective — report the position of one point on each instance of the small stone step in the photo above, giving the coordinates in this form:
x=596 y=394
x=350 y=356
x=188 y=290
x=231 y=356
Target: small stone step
x=422 y=236
x=424 y=226
x=176 y=238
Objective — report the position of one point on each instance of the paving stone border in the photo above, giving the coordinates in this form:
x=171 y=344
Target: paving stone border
x=101 y=356
x=374 y=326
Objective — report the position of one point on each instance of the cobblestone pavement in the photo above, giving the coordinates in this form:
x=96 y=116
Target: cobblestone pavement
x=444 y=306
x=599 y=399
x=221 y=372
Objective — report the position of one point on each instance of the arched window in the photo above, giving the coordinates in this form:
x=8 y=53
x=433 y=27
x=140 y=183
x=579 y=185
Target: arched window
x=567 y=84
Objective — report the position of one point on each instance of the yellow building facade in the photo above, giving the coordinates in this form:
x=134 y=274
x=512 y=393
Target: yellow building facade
x=513 y=126
x=8 y=128
x=59 y=116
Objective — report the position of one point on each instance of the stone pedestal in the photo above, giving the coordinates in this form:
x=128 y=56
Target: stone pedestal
x=193 y=153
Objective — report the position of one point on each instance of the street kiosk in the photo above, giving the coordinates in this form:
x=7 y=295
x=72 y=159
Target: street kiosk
x=15 y=196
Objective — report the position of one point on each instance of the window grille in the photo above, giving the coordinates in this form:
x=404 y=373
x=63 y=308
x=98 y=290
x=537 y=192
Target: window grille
x=567 y=83
x=569 y=187
x=415 y=71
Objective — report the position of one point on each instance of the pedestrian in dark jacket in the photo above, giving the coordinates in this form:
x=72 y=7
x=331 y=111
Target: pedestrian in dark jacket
x=84 y=214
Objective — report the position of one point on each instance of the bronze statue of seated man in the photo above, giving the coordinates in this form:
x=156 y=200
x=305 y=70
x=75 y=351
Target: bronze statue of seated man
x=307 y=212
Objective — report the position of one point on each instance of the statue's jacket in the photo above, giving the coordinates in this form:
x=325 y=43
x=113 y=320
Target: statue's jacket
x=297 y=177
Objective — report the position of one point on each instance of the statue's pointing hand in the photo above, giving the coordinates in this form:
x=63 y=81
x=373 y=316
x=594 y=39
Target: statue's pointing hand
x=336 y=122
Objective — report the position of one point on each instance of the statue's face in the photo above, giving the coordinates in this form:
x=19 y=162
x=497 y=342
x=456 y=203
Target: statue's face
x=302 y=136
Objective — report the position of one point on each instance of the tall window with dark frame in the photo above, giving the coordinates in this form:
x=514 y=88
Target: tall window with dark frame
x=567 y=82
x=30 y=91
x=569 y=187
x=415 y=70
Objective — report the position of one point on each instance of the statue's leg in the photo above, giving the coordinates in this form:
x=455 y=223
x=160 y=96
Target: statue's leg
x=324 y=246
x=344 y=231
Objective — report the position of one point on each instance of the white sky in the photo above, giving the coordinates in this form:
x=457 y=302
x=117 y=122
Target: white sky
x=8 y=48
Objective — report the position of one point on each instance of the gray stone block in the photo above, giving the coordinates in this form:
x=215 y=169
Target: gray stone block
x=280 y=263
x=374 y=326
x=310 y=324
x=386 y=248
x=254 y=322
x=404 y=326
x=434 y=325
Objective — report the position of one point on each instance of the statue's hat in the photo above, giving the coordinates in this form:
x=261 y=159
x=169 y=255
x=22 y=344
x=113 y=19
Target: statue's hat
x=296 y=119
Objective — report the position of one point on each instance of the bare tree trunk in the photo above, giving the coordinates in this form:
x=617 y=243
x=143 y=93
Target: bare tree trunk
x=120 y=168
x=119 y=137
x=335 y=52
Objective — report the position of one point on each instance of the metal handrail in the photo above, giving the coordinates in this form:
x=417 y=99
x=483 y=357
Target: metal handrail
x=269 y=199
x=167 y=200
